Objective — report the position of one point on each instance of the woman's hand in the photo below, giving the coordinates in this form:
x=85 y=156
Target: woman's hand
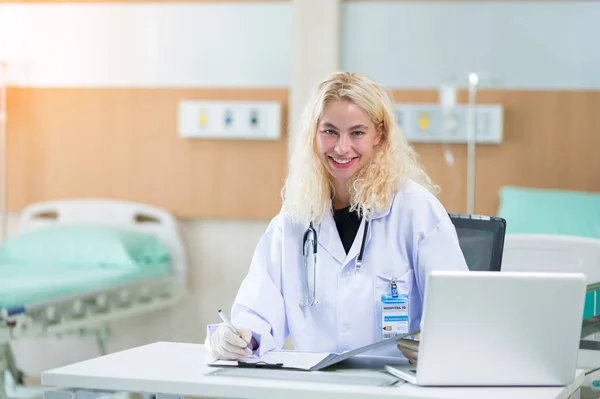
x=411 y=354
x=224 y=344
x=410 y=348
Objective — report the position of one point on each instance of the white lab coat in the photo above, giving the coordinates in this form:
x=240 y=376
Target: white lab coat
x=407 y=241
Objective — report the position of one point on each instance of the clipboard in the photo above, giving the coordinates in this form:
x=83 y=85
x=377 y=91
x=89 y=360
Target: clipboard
x=372 y=378
x=303 y=361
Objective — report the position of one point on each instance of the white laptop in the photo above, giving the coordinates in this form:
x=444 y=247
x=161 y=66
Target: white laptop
x=498 y=329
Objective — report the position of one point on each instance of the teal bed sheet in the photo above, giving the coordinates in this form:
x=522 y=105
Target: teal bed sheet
x=544 y=211
x=70 y=259
x=21 y=285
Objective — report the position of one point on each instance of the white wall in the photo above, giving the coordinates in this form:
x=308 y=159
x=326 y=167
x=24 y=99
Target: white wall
x=147 y=44
x=12 y=33
x=314 y=21
x=522 y=45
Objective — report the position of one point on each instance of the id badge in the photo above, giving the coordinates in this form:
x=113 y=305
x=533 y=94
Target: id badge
x=394 y=315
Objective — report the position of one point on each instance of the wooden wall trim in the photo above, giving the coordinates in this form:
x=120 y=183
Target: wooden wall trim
x=550 y=140
x=123 y=143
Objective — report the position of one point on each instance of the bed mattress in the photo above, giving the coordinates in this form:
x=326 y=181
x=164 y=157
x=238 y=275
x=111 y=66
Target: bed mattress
x=22 y=285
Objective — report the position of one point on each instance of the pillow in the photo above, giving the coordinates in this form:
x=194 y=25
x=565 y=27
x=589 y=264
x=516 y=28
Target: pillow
x=544 y=211
x=83 y=245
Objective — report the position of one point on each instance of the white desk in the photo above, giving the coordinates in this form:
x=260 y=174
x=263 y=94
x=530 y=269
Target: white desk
x=179 y=369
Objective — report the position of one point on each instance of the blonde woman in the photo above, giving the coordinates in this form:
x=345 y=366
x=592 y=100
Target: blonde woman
x=357 y=201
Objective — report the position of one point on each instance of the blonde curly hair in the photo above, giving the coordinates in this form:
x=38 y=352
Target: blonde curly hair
x=308 y=191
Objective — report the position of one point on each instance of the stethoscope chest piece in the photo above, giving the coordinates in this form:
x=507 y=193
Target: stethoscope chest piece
x=304 y=305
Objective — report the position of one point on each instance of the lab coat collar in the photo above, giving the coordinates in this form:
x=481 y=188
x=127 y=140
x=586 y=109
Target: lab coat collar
x=329 y=237
x=356 y=245
x=382 y=213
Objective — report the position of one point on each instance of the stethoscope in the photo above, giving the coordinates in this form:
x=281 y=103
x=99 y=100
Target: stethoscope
x=309 y=240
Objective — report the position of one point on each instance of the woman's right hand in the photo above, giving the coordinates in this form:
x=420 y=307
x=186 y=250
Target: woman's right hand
x=226 y=345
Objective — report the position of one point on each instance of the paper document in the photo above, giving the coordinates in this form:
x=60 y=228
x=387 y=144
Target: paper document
x=298 y=360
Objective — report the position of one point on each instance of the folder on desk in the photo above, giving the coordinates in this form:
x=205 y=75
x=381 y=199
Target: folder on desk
x=299 y=360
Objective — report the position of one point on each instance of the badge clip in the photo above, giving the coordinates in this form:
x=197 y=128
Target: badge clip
x=394 y=288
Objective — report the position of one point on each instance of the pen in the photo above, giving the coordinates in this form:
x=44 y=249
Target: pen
x=231 y=327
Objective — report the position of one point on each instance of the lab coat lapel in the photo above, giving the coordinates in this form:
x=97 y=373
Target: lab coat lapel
x=355 y=248
x=329 y=238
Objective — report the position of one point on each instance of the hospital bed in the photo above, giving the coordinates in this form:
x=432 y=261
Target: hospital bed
x=553 y=230
x=75 y=266
x=559 y=231
x=557 y=253
x=562 y=253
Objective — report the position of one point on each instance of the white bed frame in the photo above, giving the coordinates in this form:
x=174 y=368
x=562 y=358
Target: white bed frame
x=91 y=312
x=558 y=253
x=552 y=253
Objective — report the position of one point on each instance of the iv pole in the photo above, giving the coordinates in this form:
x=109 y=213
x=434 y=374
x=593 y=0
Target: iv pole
x=3 y=163
x=471 y=124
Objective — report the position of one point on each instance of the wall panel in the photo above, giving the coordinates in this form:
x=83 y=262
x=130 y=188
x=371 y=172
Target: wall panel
x=512 y=45
x=551 y=140
x=123 y=143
